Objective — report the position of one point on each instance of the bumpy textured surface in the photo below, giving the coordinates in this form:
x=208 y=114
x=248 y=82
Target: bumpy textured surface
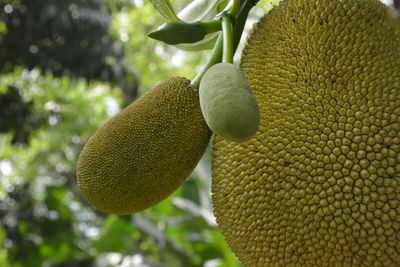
x=319 y=185
x=228 y=104
x=144 y=153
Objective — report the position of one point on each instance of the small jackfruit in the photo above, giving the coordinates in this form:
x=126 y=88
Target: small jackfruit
x=228 y=104
x=145 y=152
x=319 y=184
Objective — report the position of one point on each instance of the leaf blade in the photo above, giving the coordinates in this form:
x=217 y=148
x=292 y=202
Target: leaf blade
x=178 y=32
x=165 y=9
x=200 y=10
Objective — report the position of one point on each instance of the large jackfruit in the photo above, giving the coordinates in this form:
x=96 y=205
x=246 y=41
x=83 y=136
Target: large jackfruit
x=144 y=153
x=319 y=184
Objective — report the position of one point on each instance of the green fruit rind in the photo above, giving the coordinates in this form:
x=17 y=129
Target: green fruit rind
x=145 y=152
x=228 y=104
x=319 y=185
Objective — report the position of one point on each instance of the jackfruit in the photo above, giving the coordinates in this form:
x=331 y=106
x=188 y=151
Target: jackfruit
x=145 y=152
x=228 y=104
x=319 y=184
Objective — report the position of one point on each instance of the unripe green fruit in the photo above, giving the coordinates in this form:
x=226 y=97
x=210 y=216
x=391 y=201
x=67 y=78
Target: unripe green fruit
x=145 y=152
x=228 y=104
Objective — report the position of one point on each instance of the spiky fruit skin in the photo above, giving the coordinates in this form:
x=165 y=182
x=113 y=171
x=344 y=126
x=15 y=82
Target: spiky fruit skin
x=319 y=185
x=228 y=104
x=144 y=153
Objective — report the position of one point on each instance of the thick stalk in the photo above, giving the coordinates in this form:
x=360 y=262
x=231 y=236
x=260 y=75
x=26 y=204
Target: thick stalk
x=216 y=54
x=234 y=7
x=216 y=57
x=228 y=40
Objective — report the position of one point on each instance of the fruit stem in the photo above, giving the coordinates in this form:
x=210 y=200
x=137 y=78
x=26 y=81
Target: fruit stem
x=228 y=40
x=231 y=9
x=234 y=8
x=216 y=56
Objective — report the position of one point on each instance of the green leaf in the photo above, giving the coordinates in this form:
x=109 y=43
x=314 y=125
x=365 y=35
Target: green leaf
x=201 y=10
x=116 y=236
x=229 y=258
x=3 y=28
x=3 y=234
x=165 y=9
x=178 y=32
x=206 y=43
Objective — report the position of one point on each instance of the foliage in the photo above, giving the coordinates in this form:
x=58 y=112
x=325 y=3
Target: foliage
x=37 y=207
x=60 y=36
x=77 y=42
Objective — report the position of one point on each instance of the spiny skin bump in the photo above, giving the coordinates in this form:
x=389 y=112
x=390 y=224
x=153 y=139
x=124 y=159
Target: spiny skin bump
x=319 y=184
x=144 y=153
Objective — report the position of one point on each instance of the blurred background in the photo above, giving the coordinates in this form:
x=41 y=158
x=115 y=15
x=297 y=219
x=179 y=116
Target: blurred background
x=65 y=68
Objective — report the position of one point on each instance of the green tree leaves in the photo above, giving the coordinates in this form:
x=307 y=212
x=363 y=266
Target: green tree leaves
x=178 y=32
x=165 y=9
x=202 y=10
x=194 y=28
